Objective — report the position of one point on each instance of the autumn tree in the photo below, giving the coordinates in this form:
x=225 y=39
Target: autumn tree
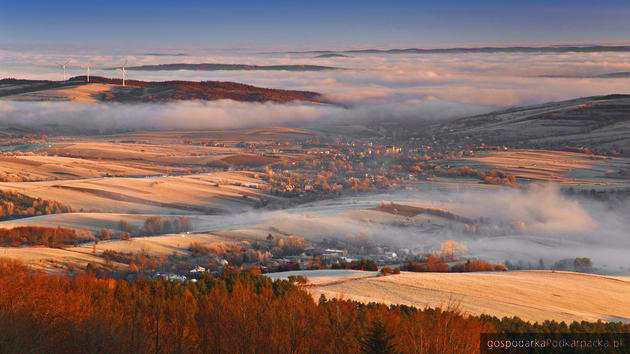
x=451 y=250
x=133 y=268
x=435 y=264
x=105 y=234
x=153 y=225
x=124 y=226
x=186 y=223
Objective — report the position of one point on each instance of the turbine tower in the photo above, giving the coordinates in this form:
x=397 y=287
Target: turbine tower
x=87 y=66
x=64 y=68
x=124 y=72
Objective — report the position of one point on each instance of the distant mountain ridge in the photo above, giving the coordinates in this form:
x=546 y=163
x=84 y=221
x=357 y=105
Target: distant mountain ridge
x=332 y=55
x=457 y=50
x=613 y=75
x=165 y=54
x=217 y=67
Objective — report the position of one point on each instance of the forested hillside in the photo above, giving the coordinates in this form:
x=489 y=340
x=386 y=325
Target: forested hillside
x=234 y=313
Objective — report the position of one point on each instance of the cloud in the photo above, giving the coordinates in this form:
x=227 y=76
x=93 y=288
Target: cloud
x=94 y=118
x=555 y=227
x=542 y=209
x=498 y=79
x=60 y=117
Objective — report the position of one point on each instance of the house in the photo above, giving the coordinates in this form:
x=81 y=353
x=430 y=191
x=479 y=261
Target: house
x=336 y=251
x=174 y=277
x=198 y=269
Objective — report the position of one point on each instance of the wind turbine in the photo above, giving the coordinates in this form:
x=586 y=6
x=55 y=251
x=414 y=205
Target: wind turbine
x=64 y=68
x=87 y=66
x=124 y=72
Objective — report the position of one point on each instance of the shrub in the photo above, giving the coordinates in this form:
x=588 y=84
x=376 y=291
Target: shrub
x=105 y=234
x=478 y=265
x=124 y=236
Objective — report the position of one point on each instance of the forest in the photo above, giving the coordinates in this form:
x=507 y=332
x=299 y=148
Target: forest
x=235 y=313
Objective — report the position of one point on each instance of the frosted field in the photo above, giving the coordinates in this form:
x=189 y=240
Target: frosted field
x=530 y=295
x=324 y=276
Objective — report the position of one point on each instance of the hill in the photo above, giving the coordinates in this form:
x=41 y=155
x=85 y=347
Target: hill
x=151 y=91
x=600 y=122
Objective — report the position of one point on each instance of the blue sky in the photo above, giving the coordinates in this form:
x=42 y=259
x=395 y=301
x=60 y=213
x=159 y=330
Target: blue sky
x=320 y=24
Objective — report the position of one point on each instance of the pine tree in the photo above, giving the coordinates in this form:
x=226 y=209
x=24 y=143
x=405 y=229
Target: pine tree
x=377 y=341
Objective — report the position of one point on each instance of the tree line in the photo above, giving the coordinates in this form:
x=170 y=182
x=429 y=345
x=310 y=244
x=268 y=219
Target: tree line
x=435 y=264
x=14 y=205
x=41 y=236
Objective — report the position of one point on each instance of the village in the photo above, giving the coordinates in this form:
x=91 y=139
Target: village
x=280 y=254
x=311 y=169
x=285 y=254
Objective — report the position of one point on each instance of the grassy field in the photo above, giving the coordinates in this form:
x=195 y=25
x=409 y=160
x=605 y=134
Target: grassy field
x=530 y=295
x=78 y=93
x=208 y=193
x=55 y=260
x=562 y=167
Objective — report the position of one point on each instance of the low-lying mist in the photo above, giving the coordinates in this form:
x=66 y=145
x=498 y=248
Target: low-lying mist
x=63 y=117
x=519 y=226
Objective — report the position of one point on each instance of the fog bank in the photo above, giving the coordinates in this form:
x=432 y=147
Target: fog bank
x=520 y=226
x=96 y=118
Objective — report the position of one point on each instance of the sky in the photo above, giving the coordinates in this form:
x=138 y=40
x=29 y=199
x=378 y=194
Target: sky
x=309 y=24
